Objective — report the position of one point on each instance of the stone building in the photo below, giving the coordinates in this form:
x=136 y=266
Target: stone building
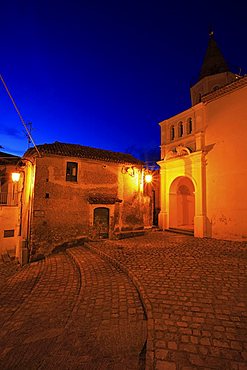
x=9 y=203
x=73 y=192
x=204 y=155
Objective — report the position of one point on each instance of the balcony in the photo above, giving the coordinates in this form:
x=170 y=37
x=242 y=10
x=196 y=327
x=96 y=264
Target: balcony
x=8 y=199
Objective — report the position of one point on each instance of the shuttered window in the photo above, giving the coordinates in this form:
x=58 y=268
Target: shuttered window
x=71 y=171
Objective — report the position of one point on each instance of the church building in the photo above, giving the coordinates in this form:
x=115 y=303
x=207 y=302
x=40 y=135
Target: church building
x=203 y=169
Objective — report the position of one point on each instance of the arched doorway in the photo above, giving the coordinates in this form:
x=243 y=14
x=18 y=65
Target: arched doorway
x=182 y=204
x=101 y=221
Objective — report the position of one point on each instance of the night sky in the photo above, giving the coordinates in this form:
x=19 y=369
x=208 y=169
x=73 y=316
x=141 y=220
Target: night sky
x=105 y=73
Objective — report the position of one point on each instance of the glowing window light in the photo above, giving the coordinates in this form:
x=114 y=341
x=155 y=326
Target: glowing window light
x=148 y=178
x=15 y=176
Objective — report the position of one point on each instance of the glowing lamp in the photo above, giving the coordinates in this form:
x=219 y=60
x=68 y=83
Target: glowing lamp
x=15 y=176
x=148 y=178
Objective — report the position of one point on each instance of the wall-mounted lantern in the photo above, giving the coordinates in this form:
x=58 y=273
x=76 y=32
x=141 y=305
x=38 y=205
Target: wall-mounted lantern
x=129 y=170
x=15 y=176
x=148 y=178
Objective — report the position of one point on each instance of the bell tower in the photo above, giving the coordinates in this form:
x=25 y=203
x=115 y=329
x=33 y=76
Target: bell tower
x=214 y=73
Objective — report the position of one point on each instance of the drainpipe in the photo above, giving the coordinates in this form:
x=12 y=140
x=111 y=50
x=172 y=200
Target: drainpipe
x=23 y=246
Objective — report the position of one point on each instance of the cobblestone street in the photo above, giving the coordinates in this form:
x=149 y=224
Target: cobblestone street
x=71 y=311
x=78 y=309
x=195 y=294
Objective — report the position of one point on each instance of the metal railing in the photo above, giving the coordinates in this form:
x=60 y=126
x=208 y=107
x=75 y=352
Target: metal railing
x=8 y=199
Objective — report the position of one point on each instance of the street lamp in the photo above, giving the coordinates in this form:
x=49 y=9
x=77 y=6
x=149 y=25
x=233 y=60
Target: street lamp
x=15 y=176
x=148 y=178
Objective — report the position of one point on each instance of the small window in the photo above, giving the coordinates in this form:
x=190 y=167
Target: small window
x=189 y=126
x=9 y=233
x=180 y=129
x=172 y=133
x=71 y=171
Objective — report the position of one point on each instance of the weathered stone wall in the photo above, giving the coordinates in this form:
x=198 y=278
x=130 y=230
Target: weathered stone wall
x=61 y=210
x=132 y=217
x=9 y=210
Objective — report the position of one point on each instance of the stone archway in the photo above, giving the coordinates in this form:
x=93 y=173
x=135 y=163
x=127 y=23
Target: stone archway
x=182 y=204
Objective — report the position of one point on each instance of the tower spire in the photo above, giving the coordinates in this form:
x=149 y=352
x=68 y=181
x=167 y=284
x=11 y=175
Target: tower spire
x=214 y=61
x=214 y=73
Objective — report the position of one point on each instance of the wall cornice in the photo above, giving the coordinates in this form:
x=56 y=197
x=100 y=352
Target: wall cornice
x=238 y=84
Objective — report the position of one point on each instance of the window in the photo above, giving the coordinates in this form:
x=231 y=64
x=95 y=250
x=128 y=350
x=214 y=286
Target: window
x=180 y=129
x=71 y=171
x=189 y=126
x=8 y=233
x=3 y=188
x=172 y=133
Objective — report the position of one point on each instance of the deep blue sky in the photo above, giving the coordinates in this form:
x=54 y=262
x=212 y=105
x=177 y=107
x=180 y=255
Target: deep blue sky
x=104 y=73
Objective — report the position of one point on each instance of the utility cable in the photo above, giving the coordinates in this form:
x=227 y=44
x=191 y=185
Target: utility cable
x=19 y=114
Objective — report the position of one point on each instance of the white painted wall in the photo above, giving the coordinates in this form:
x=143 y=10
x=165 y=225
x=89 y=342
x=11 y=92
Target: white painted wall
x=8 y=221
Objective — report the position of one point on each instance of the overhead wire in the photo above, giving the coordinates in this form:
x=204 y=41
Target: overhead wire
x=19 y=114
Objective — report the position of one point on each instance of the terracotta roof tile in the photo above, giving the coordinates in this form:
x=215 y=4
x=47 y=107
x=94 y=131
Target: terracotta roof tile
x=6 y=158
x=239 y=83
x=80 y=151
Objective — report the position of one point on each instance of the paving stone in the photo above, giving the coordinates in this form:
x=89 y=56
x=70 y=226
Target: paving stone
x=197 y=288
x=75 y=309
x=165 y=365
x=69 y=312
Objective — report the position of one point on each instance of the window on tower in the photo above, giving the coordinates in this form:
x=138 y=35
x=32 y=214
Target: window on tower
x=172 y=132
x=189 y=126
x=180 y=129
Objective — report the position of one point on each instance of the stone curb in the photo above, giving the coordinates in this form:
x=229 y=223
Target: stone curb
x=144 y=300
x=78 y=298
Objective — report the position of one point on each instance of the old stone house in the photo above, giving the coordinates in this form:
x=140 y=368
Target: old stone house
x=73 y=191
x=204 y=155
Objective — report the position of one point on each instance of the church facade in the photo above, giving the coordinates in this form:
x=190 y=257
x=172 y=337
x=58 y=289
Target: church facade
x=203 y=170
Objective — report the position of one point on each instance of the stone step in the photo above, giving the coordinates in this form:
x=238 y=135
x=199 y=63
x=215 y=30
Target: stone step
x=6 y=257
x=129 y=234
x=181 y=231
x=155 y=228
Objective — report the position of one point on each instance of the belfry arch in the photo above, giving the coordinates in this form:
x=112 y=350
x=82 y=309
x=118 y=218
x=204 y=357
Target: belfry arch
x=182 y=204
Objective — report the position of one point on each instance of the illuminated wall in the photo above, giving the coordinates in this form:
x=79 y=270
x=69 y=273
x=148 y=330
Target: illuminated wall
x=226 y=135
x=209 y=84
x=211 y=153
x=26 y=186
x=9 y=211
x=8 y=222
x=63 y=210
